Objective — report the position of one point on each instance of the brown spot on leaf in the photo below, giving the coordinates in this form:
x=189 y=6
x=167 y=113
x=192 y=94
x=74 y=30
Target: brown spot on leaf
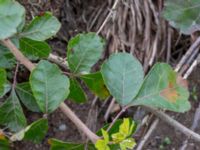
x=170 y=93
x=2 y=136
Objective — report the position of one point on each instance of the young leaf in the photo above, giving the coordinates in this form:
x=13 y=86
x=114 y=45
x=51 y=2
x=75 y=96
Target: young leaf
x=123 y=76
x=34 y=49
x=95 y=83
x=12 y=114
x=160 y=89
x=49 y=86
x=11 y=14
x=60 y=145
x=126 y=129
x=41 y=27
x=84 y=50
x=7 y=59
x=183 y=15
x=34 y=132
x=76 y=94
x=128 y=143
x=102 y=144
x=26 y=96
x=3 y=82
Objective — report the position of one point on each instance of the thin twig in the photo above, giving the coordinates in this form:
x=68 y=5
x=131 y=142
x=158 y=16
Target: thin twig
x=15 y=76
x=108 y=16
x=109 y=109
x=116 y=117
x=65 y=109
x=147 y=135
x=192 y=48
x=164 y=117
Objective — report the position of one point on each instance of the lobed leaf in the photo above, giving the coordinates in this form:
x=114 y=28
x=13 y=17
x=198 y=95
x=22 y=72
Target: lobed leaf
x=76 y=94
x=41 y=27
x=11 y=16
x=160 y=89
x=60 y=145
x=26 y=96
x=7 y=60
x=184 y=15
x=34 y=132
x=123 y=76
x=34 y=49
x=49 y=86
x=12 y=114
x=83 y=51
x=3 y=82
x=95 y=83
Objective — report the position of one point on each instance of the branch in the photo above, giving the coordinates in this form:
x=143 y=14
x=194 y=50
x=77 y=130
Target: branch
x=65 y=109
x=191 y=134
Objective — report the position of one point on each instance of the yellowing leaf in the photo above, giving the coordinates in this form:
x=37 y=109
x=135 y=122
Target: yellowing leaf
x=170 y=93
x=102 y=145
x=105 y=135
x=125 y=130
x=162 y=88
x=2 y=136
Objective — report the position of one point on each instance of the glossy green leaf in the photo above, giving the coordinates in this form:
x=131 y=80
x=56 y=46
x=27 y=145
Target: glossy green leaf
x=76 y=94
x=34 y=132
x=26 y=96
x=12 y=114
x=84 y=50
x=11 y=15
x=4 y=142
x=41 y=27
x=95 y=83
x=123 y=76
x=183 y=15
x=34 y=49
x=160 y=89
x=7 y=59
x=60 y=145
x=49 y=86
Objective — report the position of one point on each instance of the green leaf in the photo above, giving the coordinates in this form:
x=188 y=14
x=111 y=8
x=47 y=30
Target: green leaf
x=76 y=94
x=105 y=135
x=60 y=145
x=184 y=15
x=49 y=86
x=3 y=82
x=126 y=129
x=34 y=132
x=160 y=89
x=34 y=49
x=101 y=145
x=11 y=15
x=26 y=96
x=7 y=59
x=12 y=114
x=116 y=127
x=4 y=142
x=41 y=27
x=123 y=76
x=95 y=83
x=84 y=50
x=127 y=144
